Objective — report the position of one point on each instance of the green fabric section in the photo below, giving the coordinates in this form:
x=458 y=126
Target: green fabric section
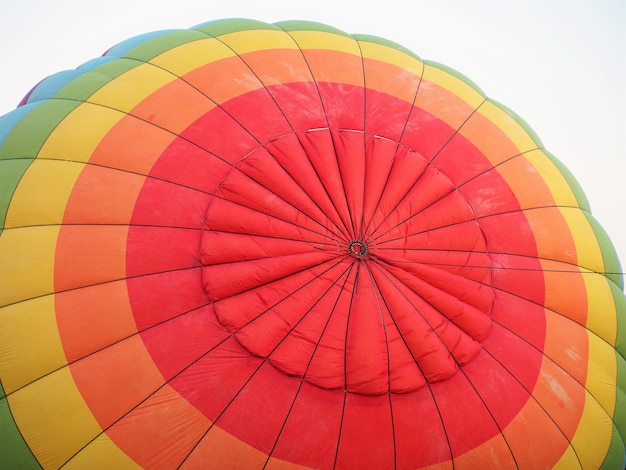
x=457 y=74
x=615 y=455
x=573 y=183
x=620 y=306
x=12 y=172
x=164 y=42
x=298 y=25
x=609 y=255
x=233 y=25
x=14 y=452
x=85 y=85
x=30 y=133
x=385 y=42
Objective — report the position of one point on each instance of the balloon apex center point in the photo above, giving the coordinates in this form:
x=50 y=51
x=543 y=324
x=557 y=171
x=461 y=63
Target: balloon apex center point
x=358 y=249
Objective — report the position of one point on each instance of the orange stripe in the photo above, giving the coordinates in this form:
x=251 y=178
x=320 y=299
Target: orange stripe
x=89 y=254
x=562 y=398
x=552 y=235
x=133 y=145
x=115 y=379
x=534 y=439
x=93 y=318
x=174 y=107
x=161 y=431
x=526 y=183
x=220 y=450
x=103 y=196
x=489 y=139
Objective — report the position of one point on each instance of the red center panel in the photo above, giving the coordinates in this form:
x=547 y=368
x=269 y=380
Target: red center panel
x=257 y=306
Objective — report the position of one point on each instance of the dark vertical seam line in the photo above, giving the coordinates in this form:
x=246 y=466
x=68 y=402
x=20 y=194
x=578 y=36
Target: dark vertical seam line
x=443 y=426
x=330 y=132
x=345 y=362
x=360 y=233
x=345 y=274
x=347 y=337
x=379 y=296
x=398 y=146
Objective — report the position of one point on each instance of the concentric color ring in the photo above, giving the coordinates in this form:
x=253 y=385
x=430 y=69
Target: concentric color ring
x=254 y=245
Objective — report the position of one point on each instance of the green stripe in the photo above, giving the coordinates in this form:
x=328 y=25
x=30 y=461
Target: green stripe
x=298 y=25
x=620 y=308
x=615 y=455
x=29 y=133
x=157 y=45
x=85 y=85
x=573 y=183
x=611 y=262
x=385 y=42
x=14 y=452
x=12 y=172
x=217 y=28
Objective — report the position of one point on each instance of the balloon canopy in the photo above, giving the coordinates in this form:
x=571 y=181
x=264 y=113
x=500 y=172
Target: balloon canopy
x=257 y=245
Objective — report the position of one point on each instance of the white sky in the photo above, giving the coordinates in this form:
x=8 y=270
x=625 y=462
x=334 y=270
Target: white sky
x=559 y=64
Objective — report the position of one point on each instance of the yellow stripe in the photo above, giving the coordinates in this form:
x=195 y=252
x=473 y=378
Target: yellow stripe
x=325 y=40
x=30 y=346
x=602 y=373
x=42 y=194
x=568 y=460
x=588 y=250
x=593 y=436
x=392 y=56
x=192 y=55
x=132 y=87
x=80 y=132
x=53 y=418
x=27 y=260
x=509 y=126
x=602 y=316
x=102 y=454
x=454 y=84
x=553 y=178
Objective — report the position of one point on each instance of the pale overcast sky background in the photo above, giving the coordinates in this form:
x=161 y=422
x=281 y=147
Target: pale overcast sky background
x=559 y=64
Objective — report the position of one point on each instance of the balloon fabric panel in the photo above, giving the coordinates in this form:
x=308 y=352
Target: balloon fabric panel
x=256 y=245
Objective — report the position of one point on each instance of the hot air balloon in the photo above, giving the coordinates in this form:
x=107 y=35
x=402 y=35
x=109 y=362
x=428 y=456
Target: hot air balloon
x=251 y=245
